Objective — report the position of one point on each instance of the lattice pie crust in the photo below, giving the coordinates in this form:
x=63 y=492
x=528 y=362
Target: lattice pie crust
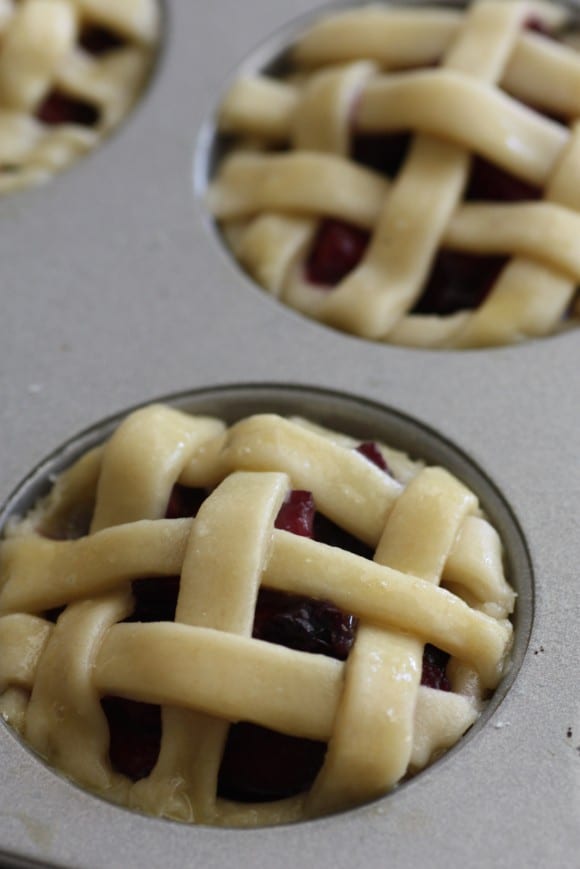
x=462 y=83
x=60 y=95
x=436 y=577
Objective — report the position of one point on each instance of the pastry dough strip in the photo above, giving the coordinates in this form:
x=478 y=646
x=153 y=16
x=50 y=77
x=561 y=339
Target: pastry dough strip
x=61 y=572
x=70 y=569
x=423 y=196
x=27 y=637
x=41 y=35
x=420 y=37
x=542 y=231
x=143 y=460
x=348 y=488
x=306 y=183
x=218 y=592
x=459 y=109
x=293 y=692
x=64 y=720
x=372 y=743
x=529 y=298
x=442 y=103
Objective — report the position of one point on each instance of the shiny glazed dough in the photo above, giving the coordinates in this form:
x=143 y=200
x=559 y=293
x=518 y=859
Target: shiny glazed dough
x=437 y=576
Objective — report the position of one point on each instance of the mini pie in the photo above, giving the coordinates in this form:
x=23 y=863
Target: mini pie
x=414 y=178
x=250 y=624
x=69 y=72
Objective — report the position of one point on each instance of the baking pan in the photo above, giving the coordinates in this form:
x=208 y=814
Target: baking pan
x=117 y=291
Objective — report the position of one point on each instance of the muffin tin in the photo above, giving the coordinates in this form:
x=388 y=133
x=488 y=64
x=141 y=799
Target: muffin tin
x=117 y=291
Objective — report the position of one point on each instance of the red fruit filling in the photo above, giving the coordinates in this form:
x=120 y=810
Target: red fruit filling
x=433 y=674
x=337 y=249
x=371 y=452
x=297 y=513
x=59 y=108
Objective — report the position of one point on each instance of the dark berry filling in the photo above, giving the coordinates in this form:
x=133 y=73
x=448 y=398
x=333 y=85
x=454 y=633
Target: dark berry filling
x=261 y=765
x=371 y=452
x=336 y=251
x=303 y=624
x=98 y=40
x=458 y=281
x=184 y=502
x=433 y=674
x=135 y=735
x=380 y=152
x=489 y=183
x=155 y=599
x=59 y=108
x=326 y=531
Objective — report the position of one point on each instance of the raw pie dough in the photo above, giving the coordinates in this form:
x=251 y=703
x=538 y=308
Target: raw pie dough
x=461 y=83
x=42 y=54
x=436 y=577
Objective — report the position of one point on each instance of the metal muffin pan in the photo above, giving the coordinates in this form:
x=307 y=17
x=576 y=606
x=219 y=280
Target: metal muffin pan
x=116 y=291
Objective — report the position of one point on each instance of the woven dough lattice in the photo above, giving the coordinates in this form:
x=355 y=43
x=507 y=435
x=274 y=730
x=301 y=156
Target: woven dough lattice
x=482 y=83
x=69 y=72
x=205 y=669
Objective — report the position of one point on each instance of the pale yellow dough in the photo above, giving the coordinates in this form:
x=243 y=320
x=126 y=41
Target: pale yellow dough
x=437 y=576
x=457 y=81
x=40 y=53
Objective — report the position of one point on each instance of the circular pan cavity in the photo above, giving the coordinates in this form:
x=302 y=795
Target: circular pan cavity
x=325 y=176
x=364 y=422
x=70 y=72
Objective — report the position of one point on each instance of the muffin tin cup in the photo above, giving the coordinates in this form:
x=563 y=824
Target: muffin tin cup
x=117 y=291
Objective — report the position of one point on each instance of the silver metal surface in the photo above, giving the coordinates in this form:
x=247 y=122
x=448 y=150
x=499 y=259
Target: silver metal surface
x=117 y=291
